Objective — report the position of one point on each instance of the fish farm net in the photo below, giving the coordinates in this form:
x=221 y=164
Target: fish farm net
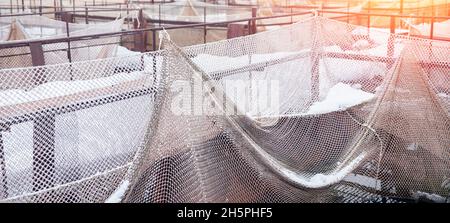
x=317 y=111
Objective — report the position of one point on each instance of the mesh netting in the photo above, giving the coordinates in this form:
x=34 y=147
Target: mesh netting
x=318 y=111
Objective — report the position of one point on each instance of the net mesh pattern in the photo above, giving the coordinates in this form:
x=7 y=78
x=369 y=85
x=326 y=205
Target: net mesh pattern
x=357 y=116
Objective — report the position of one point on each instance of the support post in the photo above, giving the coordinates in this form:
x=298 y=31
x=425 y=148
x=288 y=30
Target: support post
x=69 y=53
x=37 y=54
x=401 y=7
x=140 y=39
x=235 y=30
x=292 y=20
x=159 y=15
x=54 y=9
x=67 y=17
x=368 y=14
x=37 y=58
x=392 y=24
x=3 y=180
x=348 y=11
x=253 y=26
x=86 y=14
x=154 y=40
x=204 y=27
x=432 y=25
x=43 y=152
x=128 y=16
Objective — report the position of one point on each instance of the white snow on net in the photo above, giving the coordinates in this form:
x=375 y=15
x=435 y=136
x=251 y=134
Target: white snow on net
x=353 y=116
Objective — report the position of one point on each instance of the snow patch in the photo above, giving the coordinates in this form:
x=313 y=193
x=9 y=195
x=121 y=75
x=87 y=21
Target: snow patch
x=323 y=180
x=340 y=97
x=123 y=51
x=212 y=63
x=61 y=88
x=443 y=95
x=432 y=197
x=364 y=181
x=117 y=195
x=361 y=44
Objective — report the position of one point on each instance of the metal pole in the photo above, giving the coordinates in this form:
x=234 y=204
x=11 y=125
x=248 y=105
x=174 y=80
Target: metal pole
x=23 y=6
x=159 y=14
x=128 y=16
x=292 y=21
x=401 y=7
x=204 y=27
x=154 y=40
x=69 y=54
x=253 y=20
x=432 y=27
x=392 y=24
x=432 y=20
x=86 y=13
x=44 y=152
x=446 y=9
x=368 y=16
x=348 y=10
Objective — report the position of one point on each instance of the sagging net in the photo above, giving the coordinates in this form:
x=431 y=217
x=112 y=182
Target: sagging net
x=318 y=111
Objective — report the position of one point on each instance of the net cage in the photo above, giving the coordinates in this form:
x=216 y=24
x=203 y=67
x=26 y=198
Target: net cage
x=34 y=27
x=440 y=29
x=317 y=111
x=195 y=11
